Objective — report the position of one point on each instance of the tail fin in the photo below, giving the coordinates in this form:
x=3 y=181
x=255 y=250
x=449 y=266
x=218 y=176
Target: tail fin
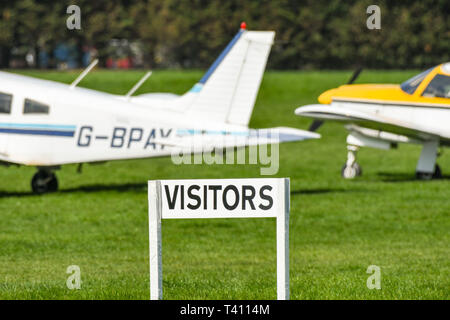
x=228 y=90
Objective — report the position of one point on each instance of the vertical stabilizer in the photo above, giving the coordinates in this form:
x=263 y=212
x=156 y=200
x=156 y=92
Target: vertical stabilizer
x=228 y=90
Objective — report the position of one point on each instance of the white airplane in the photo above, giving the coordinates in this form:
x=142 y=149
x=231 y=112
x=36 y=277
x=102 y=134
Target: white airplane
x=381 y=116
x=47 y=124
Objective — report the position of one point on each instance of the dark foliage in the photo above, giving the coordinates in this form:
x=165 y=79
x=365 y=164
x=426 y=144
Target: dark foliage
x=328 y=34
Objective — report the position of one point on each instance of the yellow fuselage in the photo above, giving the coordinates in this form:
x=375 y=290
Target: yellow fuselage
x=385 y=93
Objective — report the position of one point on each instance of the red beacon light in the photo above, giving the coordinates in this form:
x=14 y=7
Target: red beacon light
x=243 y=26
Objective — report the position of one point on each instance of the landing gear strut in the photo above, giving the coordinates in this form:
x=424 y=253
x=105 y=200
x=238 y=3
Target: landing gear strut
x=351 y=168
x=427 y=168
x=44 y=181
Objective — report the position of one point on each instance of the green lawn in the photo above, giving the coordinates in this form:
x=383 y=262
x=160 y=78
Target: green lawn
x=98 y=220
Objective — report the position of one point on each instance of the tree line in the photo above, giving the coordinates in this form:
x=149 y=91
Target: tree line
x=310 y=34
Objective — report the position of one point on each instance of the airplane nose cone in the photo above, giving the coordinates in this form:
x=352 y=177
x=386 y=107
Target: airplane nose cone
x=326 y=97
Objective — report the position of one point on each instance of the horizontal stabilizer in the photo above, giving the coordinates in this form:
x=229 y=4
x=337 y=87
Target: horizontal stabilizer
x=196 y=140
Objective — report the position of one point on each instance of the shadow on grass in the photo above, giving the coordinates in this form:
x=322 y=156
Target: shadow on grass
x=324 y=191
x=404 y=177
x=142 y=187
x=126 y=187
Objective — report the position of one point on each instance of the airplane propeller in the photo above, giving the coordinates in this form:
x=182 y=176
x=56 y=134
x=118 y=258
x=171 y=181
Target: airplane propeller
x=315 y=125
x=318 y=123
x=355 y=75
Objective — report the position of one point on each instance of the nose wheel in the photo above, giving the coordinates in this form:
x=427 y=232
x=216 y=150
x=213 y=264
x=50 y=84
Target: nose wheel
x=351 y=172
x=351 y=168
x=44 y=181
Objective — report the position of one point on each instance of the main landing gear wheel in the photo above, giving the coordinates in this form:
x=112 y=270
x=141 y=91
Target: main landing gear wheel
x=44 y=181
x=351 y=172
x=437 y=174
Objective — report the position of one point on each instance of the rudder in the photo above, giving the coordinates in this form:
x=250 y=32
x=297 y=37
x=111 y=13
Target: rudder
x=228 y=90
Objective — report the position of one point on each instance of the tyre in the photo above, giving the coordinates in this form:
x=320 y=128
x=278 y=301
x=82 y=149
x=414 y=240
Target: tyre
x=351 y=172
x=437 y=174
x=44 y=181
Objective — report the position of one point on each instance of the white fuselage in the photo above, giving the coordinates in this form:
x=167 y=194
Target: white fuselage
x=85 y=125
x=430 y=121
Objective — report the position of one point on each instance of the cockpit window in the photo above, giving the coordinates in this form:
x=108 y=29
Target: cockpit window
x=31 y=106
x=438 y=87
x=409 y=86
x=5 y=103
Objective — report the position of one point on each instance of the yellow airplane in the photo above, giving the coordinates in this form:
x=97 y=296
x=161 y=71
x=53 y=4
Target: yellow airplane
x=383 y=115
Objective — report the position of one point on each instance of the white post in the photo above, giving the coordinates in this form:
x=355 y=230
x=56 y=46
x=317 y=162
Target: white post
x=154 y=223
x=283 y=246
x=280 y=206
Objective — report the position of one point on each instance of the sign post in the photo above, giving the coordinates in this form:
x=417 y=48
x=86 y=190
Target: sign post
x=283 y=245
x=154 y=227
x=219 y=198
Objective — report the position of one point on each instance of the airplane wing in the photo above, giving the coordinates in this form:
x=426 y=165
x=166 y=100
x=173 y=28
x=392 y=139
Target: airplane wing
x=367 y=120
x=201 y=140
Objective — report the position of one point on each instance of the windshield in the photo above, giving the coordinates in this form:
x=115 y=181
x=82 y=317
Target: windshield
x=409 y=86
x=439 y=87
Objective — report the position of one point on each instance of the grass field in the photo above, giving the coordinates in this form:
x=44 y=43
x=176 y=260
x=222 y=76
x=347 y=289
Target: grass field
x=98 y=220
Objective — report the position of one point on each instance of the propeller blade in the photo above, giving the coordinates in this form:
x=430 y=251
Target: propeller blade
x=318 y=123
x=355 y=75
x=315 y=125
